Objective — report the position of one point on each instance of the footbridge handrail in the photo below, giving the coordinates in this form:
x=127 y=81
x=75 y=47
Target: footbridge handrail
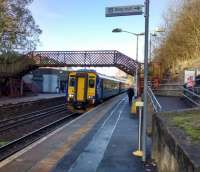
x=156 y=105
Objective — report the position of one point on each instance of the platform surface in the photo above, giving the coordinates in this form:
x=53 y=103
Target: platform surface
x=112 y=146
x=170 y=103
x=101 y=140
x=7 y=100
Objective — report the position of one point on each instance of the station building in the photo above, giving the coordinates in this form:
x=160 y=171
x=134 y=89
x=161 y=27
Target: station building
x=45 y=80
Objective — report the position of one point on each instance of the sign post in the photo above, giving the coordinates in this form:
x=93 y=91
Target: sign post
x=144 y=128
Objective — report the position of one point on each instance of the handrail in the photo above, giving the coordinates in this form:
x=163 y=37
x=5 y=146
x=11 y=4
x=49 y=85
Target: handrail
x=156 y=105
x=191 y=92
x=190 y=96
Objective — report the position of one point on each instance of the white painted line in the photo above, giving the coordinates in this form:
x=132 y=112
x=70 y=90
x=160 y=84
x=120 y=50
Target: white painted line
x=26 y=149
x=111 y=113
x=117 y=121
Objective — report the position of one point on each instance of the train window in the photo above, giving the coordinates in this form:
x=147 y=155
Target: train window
x=91 y=83
x=72 y=82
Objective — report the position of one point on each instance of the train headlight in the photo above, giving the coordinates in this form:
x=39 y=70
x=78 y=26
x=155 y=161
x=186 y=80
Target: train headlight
x=71 y=95
x=91 y=97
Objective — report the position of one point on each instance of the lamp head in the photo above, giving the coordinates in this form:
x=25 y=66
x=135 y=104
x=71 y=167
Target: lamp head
x=117 y=30
x=159 y=30
x=153 y=34
x=141 y=34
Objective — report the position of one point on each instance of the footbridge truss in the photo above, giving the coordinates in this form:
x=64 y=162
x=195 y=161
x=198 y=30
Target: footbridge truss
x=108 y=58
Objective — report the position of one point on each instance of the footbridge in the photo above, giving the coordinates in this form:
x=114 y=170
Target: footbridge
x=12 y=73
x=103 y=58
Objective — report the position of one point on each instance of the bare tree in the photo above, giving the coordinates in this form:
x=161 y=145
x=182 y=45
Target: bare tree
x=181 y=43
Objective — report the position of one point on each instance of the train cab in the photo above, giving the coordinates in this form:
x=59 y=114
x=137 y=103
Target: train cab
x=81 y=88
x=71 y=87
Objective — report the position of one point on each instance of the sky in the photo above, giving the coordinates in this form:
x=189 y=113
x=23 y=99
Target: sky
x=82 y=25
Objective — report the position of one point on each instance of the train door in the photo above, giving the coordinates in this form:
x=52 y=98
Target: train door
x=81 y=88
x=91 y=86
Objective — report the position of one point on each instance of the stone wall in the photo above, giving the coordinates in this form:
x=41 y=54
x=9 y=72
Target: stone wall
x=171 y=150
x=150 y=112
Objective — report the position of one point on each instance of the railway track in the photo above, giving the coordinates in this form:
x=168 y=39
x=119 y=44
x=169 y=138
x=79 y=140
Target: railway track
x=19 y=143
x=29 y=117
x=13 y=110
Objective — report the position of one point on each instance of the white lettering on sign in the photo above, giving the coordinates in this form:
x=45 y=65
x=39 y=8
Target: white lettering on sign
x=124 y=10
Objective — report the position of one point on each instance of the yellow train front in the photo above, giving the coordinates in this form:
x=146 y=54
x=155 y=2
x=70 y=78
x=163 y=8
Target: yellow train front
x=87 y=87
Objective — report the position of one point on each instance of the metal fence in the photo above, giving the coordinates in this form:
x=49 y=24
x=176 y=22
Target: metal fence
x=193 y=95
x=156 y=105
x=197 y=90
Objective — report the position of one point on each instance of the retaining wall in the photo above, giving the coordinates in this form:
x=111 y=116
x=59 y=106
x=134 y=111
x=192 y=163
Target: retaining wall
x=171 y=149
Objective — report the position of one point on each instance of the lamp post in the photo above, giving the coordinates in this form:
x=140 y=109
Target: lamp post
x=153 y=34
x=118 y=30
x=150 y=46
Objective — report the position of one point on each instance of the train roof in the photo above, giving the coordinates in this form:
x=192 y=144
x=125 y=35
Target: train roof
x=111 y=78
x=100 y=75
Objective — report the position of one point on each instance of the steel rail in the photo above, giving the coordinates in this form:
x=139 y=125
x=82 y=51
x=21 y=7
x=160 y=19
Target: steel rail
x=6 y=106
x=28 y=114
x=37 y=133
x=29 y=119
x=191 y=93
x=155 y=103
x=190 y=99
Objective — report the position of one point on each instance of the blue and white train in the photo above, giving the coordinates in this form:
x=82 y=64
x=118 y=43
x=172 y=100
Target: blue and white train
x=85 y=87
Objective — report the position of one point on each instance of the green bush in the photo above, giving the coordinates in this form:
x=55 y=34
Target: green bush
x=13 y=63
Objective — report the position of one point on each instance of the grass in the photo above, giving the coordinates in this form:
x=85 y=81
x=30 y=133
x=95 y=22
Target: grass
x=2 y=143
x=188 y=121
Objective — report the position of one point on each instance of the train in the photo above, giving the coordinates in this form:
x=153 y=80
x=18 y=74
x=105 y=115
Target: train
x=87 y=87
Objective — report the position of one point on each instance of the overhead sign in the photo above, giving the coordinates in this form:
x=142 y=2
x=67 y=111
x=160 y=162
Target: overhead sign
x=124 y=10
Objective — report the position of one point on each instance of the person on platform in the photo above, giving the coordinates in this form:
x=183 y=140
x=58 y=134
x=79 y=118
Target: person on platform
x=130 y=93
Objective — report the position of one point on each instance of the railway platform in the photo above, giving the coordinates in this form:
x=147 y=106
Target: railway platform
x=102 y=139
x=12 y=101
